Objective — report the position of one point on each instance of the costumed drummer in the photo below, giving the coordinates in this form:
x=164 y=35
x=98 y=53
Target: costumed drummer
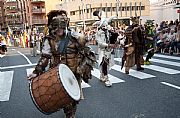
x=63 y=46
x=105 y=47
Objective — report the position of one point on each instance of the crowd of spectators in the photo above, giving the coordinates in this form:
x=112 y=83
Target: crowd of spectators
x=167 y=38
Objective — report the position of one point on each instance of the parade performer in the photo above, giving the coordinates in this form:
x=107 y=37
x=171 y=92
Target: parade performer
x=133 y=49
x=3 y=47
x=62 y=46
x=105 y=47
x=33 y=44
x=149 y=40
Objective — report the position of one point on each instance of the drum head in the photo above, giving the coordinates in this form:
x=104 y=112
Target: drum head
x=69 y=82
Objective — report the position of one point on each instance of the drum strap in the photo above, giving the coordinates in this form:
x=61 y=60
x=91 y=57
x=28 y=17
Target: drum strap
x=60 y=50
x=62 y=46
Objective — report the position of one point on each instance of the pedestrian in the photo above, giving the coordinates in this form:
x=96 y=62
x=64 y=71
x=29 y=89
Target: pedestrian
x=33 y=45
x=62 y=46
x=3 y=47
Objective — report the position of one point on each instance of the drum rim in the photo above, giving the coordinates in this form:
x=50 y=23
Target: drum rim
x=77 y=98
x=34 y=101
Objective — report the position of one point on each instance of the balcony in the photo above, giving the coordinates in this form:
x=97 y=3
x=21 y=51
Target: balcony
x=39 y=11
x=14 y=21
x=12 y=10
x=11 y=3
x=38 y=1
x=39 y=21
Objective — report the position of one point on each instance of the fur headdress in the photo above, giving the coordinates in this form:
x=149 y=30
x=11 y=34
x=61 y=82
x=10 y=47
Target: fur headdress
x=57 y=19
x=55 y=13
x=135 y=20
x=103 y=21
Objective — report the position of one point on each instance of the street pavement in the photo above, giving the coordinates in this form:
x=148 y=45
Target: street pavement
x=152 y=93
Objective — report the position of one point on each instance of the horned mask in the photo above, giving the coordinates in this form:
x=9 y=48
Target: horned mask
x=135 y=20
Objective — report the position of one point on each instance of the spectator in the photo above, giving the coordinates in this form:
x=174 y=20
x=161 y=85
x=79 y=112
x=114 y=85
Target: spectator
x=178 y=39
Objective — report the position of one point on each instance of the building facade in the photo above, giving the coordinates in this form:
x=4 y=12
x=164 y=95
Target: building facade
x=14 y=18
x=52 y=5
x=81 y=11
x=2 y=15
x=164 y=10
x=23 y=15
x=38 y=14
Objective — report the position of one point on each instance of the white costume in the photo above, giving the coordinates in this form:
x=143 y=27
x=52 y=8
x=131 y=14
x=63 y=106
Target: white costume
x=102 y=37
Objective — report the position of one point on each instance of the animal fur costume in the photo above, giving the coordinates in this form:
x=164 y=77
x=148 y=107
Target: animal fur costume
x=69 y=49
x=134 y=44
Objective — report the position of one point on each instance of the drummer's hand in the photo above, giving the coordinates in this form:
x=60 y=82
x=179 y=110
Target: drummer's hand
x=126 y=46
x=31 y=76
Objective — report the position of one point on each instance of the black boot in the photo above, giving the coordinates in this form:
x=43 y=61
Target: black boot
x=139 y=68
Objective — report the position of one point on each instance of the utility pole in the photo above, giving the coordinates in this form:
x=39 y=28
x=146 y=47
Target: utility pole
x=178 y=7
x=84 y=25
x=20 y=9
x=117 y=12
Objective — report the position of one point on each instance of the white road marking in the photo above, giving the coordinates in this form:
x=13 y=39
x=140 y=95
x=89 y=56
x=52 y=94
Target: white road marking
x=166 y=56
x=18 y=66
x=25 y=57
x=158 y=68
x=29 y=71
x=83 y=84
x=134 y=73
x=171 y=85
x=5 y=85
x=1 y=56
x=161 y=69
x=166 y=62
x=113 y=79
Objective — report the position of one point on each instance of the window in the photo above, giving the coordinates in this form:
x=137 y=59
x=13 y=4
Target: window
x=87 y=10
x=128 y=8
x=108 y=9
x=137 y=7
x=103 y=8
x=142 y=7
x=114 y=8
x=123 y=8
x=133 y=8
x=72 y=13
